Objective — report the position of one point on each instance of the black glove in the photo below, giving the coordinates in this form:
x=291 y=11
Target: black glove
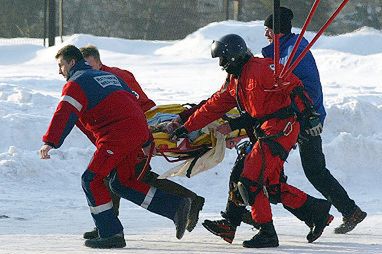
x=178 y=133
x=313 y=125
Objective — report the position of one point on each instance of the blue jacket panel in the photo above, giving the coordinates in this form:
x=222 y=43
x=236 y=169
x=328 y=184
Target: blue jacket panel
x=96 y=84
x=306 y=70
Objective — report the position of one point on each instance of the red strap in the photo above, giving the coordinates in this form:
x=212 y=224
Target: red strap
x=147 y=163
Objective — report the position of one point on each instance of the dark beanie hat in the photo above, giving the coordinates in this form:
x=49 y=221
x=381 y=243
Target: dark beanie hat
x=286 y=16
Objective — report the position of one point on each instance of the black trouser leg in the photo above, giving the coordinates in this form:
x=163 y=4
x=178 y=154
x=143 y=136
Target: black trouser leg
x=234 y=212
x=313 y=163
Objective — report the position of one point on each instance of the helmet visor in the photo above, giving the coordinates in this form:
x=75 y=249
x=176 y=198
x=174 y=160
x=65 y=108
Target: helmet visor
x=217 y=49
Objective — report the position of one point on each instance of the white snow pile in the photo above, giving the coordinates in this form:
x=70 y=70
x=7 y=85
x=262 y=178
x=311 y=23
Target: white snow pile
x=43 y=209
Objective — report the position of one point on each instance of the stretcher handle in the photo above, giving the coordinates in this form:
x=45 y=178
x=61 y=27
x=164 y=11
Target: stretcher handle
x=174 y=160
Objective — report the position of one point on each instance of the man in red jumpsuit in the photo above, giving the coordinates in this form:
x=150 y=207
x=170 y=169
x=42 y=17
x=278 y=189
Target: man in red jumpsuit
x=108 y=111
x=251 y=88
x=92 y=57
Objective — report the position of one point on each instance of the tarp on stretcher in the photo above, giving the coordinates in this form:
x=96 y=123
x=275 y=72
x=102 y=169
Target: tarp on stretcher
x=203 y=149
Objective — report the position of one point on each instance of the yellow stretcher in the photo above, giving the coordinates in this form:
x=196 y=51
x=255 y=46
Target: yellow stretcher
x=188 y=149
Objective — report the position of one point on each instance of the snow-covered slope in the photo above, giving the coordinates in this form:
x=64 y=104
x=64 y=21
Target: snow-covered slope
x=39 y=198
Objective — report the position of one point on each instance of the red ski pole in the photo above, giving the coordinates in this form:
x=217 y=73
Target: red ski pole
x=323 y=28
x=301 y=35
x=276 y=39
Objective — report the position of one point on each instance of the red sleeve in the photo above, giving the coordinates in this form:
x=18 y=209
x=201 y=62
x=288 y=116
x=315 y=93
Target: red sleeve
x=73 y=102
x=215 y=107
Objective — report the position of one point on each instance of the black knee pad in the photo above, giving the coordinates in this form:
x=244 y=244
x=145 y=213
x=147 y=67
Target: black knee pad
x=244 y=193
x=244 y=188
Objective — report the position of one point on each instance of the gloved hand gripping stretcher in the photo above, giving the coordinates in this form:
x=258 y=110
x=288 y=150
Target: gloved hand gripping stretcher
x=200 y=151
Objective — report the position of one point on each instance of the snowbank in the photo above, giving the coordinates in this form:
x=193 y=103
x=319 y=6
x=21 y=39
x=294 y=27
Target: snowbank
x=40 y=197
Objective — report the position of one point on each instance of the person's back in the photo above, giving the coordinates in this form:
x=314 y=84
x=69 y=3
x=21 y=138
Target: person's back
x=111 y=107
x=260 y=97
x=306 y=70
x=258 y=86
x=93 y=58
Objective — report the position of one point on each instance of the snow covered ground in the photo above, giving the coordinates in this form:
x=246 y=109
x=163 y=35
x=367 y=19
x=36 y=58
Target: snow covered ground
x=43 y=209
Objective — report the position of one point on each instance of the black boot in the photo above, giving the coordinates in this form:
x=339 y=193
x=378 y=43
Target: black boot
x=181 y=217
x=349 y=222
x=91 y=234
x=266 y=237
x=196 y=207
x=222 y=228
x=320 y=218
x=114 y=241
x=301 y=214
x=315 y=213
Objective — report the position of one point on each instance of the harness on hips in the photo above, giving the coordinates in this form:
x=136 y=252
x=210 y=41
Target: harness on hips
x=256 y=134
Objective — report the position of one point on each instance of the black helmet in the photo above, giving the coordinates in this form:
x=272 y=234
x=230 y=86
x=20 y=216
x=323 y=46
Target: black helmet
x=232 y=52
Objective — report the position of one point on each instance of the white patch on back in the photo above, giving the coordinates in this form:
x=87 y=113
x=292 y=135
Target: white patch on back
x=107 y=80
